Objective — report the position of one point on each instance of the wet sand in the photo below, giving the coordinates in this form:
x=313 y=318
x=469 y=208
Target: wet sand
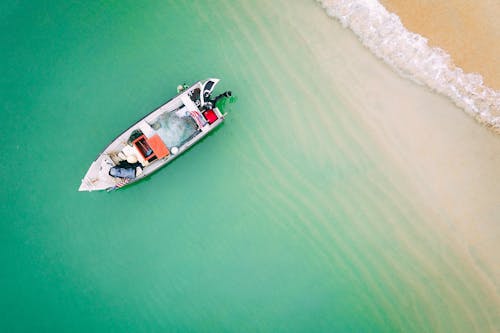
x=467 y=30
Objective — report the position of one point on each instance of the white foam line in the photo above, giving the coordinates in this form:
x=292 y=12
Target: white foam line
x=409 y=54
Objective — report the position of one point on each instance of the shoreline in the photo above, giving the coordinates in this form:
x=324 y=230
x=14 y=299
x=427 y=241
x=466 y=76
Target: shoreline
x=469 y=33
x=411 y=56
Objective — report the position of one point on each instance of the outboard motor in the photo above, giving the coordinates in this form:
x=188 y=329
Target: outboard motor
x=223 y=95
x=206 y=90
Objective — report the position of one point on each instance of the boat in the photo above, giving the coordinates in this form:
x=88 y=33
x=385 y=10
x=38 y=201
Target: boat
x=158 y=138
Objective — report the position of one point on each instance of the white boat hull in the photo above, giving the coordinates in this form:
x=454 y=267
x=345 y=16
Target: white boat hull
x=151 y=143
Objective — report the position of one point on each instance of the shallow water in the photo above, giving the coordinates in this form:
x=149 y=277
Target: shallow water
x=288 y=218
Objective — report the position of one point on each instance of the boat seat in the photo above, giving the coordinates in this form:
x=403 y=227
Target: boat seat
x=146 y=129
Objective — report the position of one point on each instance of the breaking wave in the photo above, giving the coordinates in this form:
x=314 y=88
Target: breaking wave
x=409 y=54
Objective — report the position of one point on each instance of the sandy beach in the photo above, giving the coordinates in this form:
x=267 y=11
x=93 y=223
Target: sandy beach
x=468 y=30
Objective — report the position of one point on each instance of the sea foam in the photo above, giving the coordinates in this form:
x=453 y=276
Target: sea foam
x=409 y=54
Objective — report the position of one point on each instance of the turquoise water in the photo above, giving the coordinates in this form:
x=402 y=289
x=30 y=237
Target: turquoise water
x=288 y=218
